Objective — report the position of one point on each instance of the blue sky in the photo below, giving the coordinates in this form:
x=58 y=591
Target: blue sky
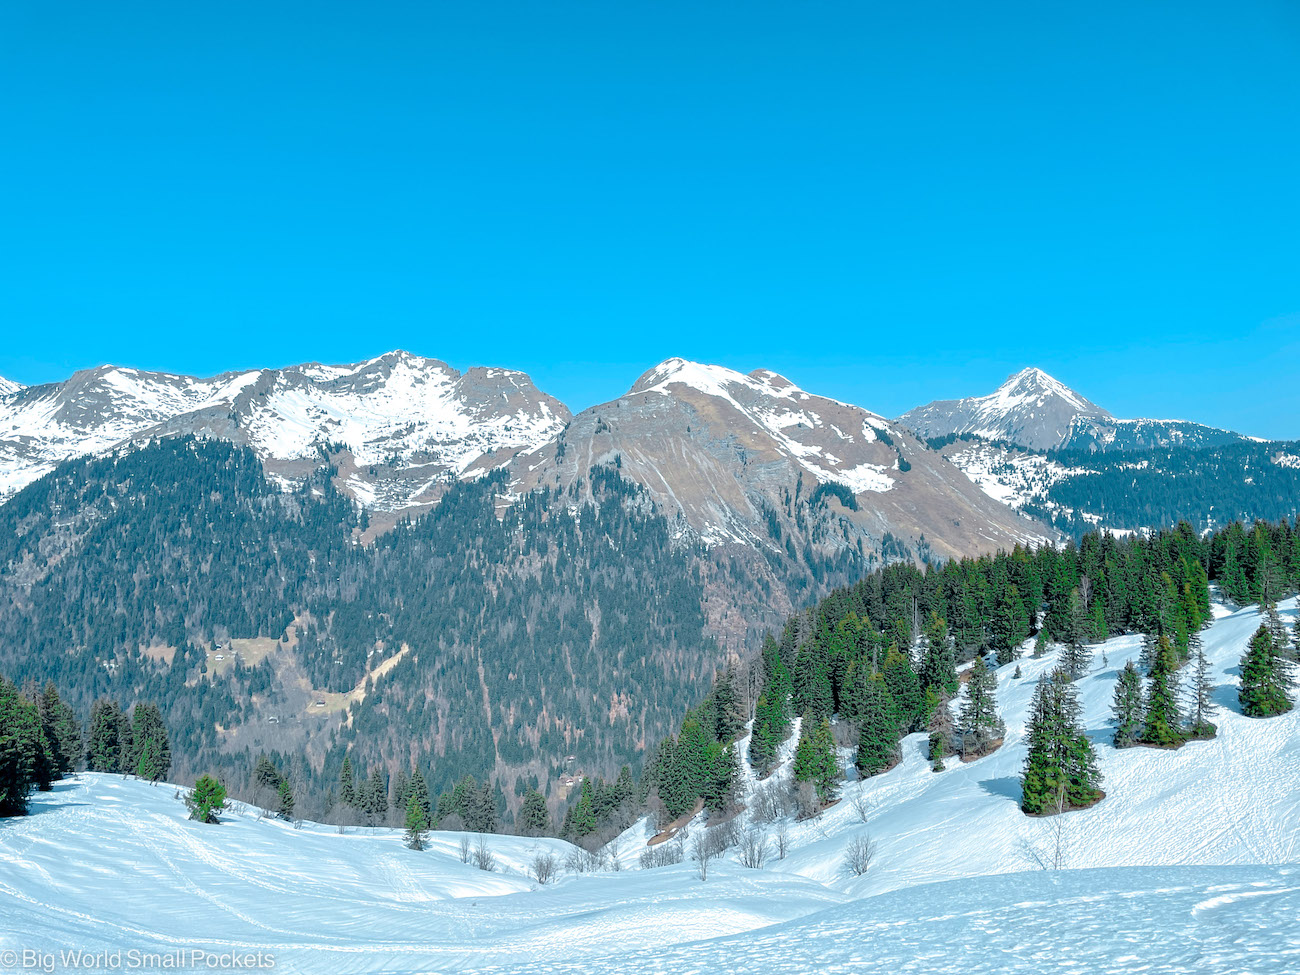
x=889 y=203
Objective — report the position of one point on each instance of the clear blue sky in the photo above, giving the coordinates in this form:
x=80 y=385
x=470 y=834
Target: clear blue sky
x=889 y=203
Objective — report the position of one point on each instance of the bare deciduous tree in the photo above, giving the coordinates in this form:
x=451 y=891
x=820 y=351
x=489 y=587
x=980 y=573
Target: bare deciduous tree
x=483 y=858
x=858 y=855
x=544 y=867
x=754 y=849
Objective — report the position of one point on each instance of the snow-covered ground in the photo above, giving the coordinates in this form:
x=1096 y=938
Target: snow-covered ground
x=1192 y=847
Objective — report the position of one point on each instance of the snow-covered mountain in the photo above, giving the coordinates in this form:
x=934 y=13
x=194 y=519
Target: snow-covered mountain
x=8 y=386
x=734 y=453
x=1189 y=864
x=805 y=491
x=397 y=426
x=1034 y=410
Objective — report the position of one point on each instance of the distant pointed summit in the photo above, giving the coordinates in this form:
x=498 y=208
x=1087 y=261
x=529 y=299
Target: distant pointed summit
x=1031 y=408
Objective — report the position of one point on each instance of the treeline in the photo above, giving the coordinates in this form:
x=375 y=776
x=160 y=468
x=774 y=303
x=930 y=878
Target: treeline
x=882 y=657
x=41 y=741
x=1209 y=486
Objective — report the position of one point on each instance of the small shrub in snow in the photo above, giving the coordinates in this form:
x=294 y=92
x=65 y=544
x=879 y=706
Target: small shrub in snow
x=861 y=805
x=782 y=839
x=754 y=849
x=545 y=867
x=663 y=855
x=858 y=855
x=483 y=858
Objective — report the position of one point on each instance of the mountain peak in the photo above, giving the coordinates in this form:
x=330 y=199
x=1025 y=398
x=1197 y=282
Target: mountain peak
x=1030 y=408
x=8 y=386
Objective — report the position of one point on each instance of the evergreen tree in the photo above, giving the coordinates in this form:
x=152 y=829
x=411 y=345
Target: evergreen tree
x=347 y=783
x=1164 y=721
x=815 y=761
x=417 y=823
x=1203 y=707
x=149 y=732
x=110 y=738
x=582 y=822
x=729 y=717
x=1010 y=625
x=1060 y=770
x=1265 y=683
x=206 y=799
x=978 y=724
x=266 y=778
x=61 y=729
x=939 y=667
x=23 y=749
x=374 y=798
x=723 y=784
x=941 y=726
x=286 y=801
x=1128 y=709
x=877 y=729
x=418 y=789
x=534 y=819
x=1076 y=655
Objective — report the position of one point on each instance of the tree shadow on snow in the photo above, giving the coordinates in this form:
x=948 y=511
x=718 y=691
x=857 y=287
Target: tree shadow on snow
x=1007 y=787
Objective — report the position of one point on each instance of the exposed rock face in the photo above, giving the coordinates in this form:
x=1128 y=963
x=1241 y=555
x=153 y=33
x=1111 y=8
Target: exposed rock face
x=788 y=482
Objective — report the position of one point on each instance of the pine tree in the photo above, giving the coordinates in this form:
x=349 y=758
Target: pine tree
x=534 y=819
x=110 y=738
x=941 y=726
x=723 y=784
x=939 y=668
x=206 y=799
x=266 y=777
x=417 y=823
x=286 y=801
x=1076 y=655
x=1128 y=709
x=61 y=729
x=1265 y=683
x=1010 y=625
x=1203 y=707
x=583 y=819
x=877 y=729
x=148 y=730
x=978 y=724
x=1164 y=720
x=21 y=749
x=374 y=799
x=347 y=783
x=815 y=761
x=1061 y=769
x=417 y=788
x=729 y=717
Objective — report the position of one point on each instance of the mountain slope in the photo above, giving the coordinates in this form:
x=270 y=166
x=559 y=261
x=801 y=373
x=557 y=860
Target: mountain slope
x=398 y=426
x=1034 y=410
x=807 y=491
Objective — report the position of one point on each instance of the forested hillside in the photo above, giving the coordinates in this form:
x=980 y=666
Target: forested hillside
x=462 y=641
x=882 y=657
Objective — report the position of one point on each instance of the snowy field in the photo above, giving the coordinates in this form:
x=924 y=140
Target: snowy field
x=1189 y=865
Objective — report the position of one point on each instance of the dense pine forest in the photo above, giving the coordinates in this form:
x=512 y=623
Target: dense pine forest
x=1209 y=486
x=571 y=627
x=881 y=658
